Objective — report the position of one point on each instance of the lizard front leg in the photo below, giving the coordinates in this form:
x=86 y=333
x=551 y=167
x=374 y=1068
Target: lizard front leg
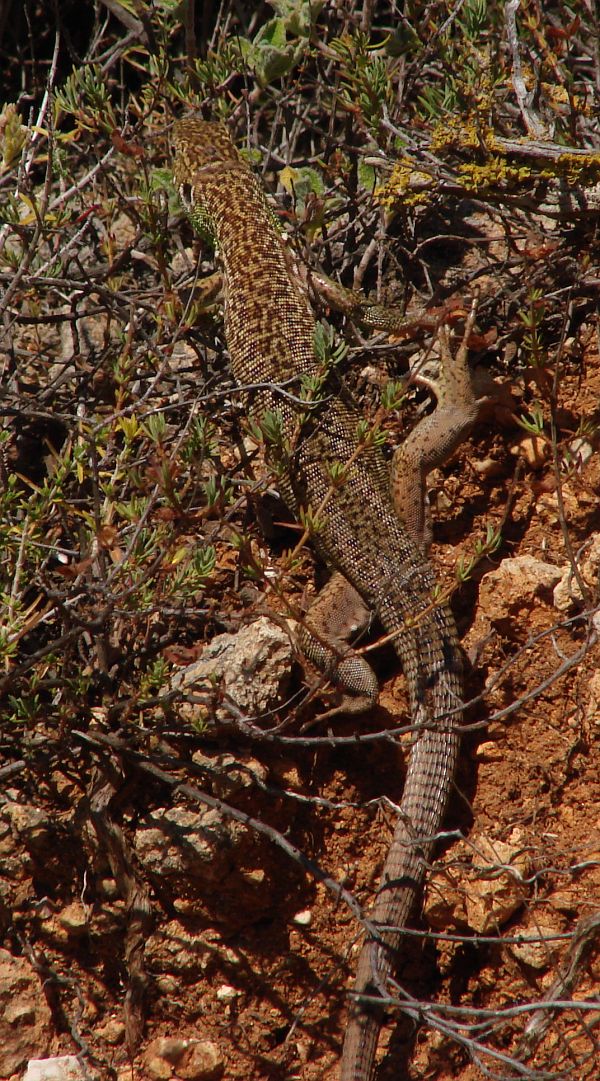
x=337 y=614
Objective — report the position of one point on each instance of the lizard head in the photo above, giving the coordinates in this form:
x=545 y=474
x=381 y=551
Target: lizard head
x=200 y=144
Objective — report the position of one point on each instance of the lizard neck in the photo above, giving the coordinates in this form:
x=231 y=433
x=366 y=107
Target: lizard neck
x=270 y=326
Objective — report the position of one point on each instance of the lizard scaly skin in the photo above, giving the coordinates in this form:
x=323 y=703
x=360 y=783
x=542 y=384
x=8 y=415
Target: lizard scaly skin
x=269 y=328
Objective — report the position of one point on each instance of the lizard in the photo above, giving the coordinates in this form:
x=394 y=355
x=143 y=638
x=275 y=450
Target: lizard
x=270 y=334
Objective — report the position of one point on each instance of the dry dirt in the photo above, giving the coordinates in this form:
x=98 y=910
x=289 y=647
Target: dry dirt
x=245 y=955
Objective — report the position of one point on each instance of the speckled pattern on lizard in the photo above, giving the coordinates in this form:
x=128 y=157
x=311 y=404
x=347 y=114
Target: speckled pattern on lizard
x=269 y=329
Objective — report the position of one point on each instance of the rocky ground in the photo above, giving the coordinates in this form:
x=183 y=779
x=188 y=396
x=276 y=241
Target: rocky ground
x=245 y=959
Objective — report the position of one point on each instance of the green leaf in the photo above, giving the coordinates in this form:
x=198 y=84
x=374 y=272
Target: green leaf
x=299 y=16
x=367 y=177
x=273 y=34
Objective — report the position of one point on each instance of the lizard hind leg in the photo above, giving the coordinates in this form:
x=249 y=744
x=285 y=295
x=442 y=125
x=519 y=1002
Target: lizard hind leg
x=437 y=435
x=337 y=613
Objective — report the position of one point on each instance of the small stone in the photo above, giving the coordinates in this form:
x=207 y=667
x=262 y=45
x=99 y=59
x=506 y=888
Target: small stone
x=113 y=1031
x=303 y=918
x=304 y=1049
x=226 y=993
x=73 y=919
x=541 y=953
x=582 y=450
x=252 y=666
x=185 y=906
x=108 y=887
x=176 y=843
x=567 y=593
x=296 y=941
x=535 y=451
x=31 y=825
x=493 y=895
x=203 y=1062
x=287 y=774
x=231 y=773
x=255 y=877
x=592 y=711
x=62 y=1068
x=162 y=1055
x=511 y=590
x=171 y=1048
x=487 y=467
x=489 y=752
x=157 y=1068
x=19 y=1013
x=444 y=901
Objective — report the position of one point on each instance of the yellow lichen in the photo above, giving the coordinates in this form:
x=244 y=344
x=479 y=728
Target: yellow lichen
x=494 y=173
x=579 y=169
x=405 y=185
x=471 y=131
